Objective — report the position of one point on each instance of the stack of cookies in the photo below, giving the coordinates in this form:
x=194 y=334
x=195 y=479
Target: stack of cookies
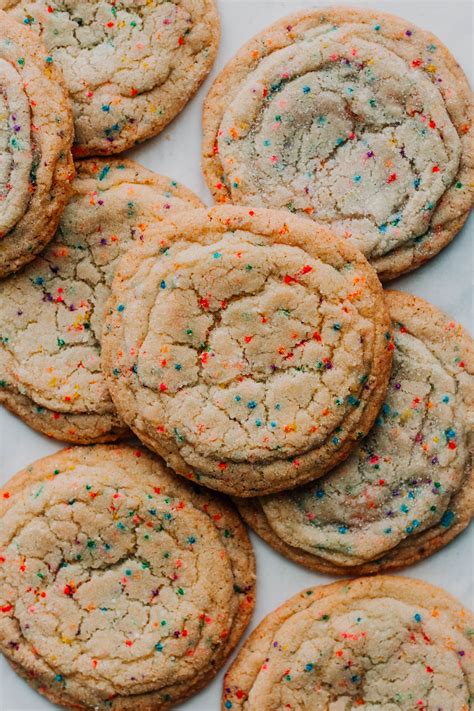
x=251 y=349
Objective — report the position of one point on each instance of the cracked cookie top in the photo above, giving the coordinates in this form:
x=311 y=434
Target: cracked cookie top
x=35 y=146
x=246 y=347
x=51 y=313
x=118 y=583
x=400 y=486
x=129 y=66
x=355 y=118
x=388 y=643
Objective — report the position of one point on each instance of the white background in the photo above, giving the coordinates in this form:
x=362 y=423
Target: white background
x=446 y=281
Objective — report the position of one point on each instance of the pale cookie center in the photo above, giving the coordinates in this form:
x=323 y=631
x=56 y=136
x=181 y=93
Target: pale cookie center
x=342 y=129
x=401 y=478
x=130 y=46
x=249 y=350
x=16 y=154
x=111 y=583
x=368 y=654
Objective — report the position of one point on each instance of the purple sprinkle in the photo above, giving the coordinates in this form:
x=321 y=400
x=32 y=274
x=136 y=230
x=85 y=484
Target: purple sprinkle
x=17 y=128
x=397 y=386
x=103 y=240
x=19 y=312
x=370 y=154
x=408 y=33
x=435 y=460
x=461 y=653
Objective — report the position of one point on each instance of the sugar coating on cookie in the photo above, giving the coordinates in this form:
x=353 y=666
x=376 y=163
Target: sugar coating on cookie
x=129 y=67
x=35 y=146
x=400 y=487
x=246 y=346
x=51 y=313
x=354 y=118
x=117 y=586
x=388 y=643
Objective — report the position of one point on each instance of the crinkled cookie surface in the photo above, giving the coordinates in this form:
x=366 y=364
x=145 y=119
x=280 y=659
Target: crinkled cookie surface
x=388 y=643
x=355 y=118
x=130 y=66
x=120 y=586
x=248 y=348
x=51 y=312
x=35 y=146
x=408 y=487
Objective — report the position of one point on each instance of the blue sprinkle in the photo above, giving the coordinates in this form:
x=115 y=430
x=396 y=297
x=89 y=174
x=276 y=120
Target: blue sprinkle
x=178 y=366
x=357 y=178
x=404 y=508
x=252 y=404
x=267 y=142
x=446 y=398
x=106 y=108
x=273 y=424
x=416 y=182
x=58 y=677
x=104 y=172
x=162 y=284
x=319 y=494
x=448 y=518
x=120 y=307
x=191 y=540
x=376 y=28
x=335 y=440
x=417 y=617
x=337 y=326
x=39 y=281
x=237 y=398
x=258 y=423
x=355 y=678
x=228 y=704
x=383 y=228
x=306 y=89
x=309 y=667
x=216 y=255
x=159 y=647
x=342 y=529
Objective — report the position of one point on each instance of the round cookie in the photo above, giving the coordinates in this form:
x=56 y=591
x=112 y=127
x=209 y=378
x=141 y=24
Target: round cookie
x=408 y=488
x=121 y=586
x=383 y=642
x=356 y=118
x=36 y=134
x=51 y=312
x=249 y=348
x=129 y=67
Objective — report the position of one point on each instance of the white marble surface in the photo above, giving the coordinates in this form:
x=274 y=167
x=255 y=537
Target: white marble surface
x=445 y=281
